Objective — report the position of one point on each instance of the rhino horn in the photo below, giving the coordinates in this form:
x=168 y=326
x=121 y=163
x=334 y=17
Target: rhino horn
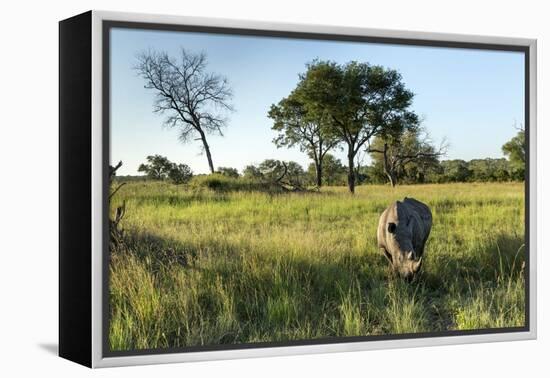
x=416 y=264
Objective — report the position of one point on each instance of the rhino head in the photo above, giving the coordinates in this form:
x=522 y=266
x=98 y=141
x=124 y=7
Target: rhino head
x=399 y=249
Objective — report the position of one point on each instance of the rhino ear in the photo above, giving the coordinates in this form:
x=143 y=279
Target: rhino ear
x=392 y=227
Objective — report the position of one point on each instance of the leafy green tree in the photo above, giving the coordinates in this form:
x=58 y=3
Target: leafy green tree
x=483 y=170
x=502 y=172
x=307 y=130
x=281 y=173
x=334 y=172
x=189 y=95
x=455 y=171
x=157 y=167
x=295 y=175
x=272 y=170
x=360 y=100
x=514 y=150
x=180 y=173
x=160 y=168
x=373 y=174
x=229 y=172
x=252 y=172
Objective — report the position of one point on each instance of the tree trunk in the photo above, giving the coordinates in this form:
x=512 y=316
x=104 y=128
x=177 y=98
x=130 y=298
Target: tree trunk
x=319 y=173
x=351 y=173
x=387 y=169
x=207 y=150
x=393 y=179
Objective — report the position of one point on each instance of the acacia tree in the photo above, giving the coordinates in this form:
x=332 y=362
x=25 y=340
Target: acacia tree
x=395 y=152
x=160 y=168
x=307 y=130
x=193 y=99
x=361 y=101
x=157 y=167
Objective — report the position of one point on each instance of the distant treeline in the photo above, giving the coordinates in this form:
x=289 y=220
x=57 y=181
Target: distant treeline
x=335 y=173
x=289 y=175
x=408 y=160
x=476 y=170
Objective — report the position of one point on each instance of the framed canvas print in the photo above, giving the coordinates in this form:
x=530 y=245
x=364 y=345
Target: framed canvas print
x=236 y=189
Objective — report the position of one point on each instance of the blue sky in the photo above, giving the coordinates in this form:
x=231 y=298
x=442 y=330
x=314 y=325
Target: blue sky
x=470 y=97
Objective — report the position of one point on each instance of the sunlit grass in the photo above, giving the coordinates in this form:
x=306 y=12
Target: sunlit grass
x=201 y=267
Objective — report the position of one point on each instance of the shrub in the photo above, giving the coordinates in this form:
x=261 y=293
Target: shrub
x=221 y=183
x=215 y=181
x=180 y=173
x=228 y=172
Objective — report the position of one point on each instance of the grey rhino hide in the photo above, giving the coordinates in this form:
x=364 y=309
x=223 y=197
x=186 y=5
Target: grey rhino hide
x=403 y=229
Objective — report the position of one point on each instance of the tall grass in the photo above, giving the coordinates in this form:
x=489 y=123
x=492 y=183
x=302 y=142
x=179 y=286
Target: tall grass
x=203 y=267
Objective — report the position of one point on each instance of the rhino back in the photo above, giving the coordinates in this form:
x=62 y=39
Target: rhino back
x=421 y=209
x=422 y=218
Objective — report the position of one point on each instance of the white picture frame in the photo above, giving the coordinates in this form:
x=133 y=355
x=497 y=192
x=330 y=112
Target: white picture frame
x=98 y=21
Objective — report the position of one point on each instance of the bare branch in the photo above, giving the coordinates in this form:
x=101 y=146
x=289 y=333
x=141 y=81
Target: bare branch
x=116 y=190
x=186 y=93
x=284 y=172
x=112 y=170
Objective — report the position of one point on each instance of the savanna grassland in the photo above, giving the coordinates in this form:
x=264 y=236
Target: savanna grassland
x=203 y=267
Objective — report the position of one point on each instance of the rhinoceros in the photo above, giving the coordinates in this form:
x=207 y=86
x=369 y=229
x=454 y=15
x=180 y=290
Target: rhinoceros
x=403 y=229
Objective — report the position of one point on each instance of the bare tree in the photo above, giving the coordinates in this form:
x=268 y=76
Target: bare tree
x=193 y=99
x=412 y=146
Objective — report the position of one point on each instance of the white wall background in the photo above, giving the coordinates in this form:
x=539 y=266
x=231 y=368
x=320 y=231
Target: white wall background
x=28 y=189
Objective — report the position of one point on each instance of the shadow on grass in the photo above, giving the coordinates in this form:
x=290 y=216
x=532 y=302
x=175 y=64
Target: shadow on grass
x=157 y=250
x=503 y=255
x=448 y=205
x=273 y=296
x=448 y=279
x=181 y=200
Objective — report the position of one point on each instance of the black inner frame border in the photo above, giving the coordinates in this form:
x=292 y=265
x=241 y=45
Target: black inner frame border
x=107 y=25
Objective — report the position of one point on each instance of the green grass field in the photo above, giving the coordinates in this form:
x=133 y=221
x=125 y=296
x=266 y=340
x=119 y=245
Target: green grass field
x=200 y=267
